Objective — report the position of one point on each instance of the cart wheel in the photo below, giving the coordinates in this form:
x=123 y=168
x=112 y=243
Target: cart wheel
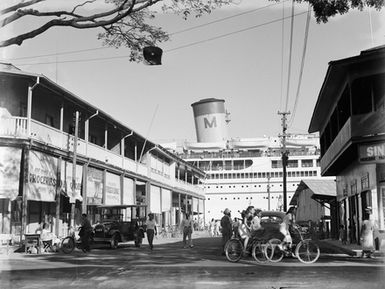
x=273 y=252
x=307 y=251
x=233 y=250
x=68 y=245
x=259 y=252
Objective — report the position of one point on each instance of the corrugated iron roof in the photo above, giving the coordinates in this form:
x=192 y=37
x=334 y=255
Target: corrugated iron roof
x=319 y=186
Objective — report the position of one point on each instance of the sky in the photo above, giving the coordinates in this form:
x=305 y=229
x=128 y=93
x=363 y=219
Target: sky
x=239 y=60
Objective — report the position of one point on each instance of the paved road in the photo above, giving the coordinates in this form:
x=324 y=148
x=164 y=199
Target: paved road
x=171 y=266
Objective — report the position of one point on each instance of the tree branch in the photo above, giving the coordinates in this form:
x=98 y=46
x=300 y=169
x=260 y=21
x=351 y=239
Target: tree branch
x=18 y=6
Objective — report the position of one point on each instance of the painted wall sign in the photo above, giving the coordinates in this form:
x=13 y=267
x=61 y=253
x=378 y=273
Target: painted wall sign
x=10 y=159
x=94 y=186
x=42 y=178
x=67 y=182
x=128 y=192
x=112 y=189
x=372 y=153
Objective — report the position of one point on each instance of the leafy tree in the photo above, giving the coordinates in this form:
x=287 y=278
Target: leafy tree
x=127 y=22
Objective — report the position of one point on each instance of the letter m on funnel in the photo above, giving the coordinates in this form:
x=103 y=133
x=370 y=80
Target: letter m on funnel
x=211 y=124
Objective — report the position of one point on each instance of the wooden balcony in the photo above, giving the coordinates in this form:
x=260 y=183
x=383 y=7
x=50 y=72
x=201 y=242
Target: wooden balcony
x=17 y=127
x=357 y=128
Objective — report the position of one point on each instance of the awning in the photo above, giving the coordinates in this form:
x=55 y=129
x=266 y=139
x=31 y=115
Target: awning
x=323 y=189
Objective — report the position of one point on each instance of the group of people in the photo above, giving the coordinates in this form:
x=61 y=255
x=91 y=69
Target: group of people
x=250 y=226
x=186 y=226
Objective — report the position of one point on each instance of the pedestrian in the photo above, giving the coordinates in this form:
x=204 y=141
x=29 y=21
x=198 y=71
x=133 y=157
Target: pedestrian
x=217 y=231
x=226 y=228
x=342 y=234
x=236 y=227
x=285 y=227
x=151 y=230
x=367 y=230
x=256 y=229
x=85 y=233
x=187 y=229
x=212 y=227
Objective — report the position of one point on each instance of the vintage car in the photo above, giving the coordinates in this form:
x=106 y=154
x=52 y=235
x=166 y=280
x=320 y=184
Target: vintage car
x=120 y=224
x=271 y=222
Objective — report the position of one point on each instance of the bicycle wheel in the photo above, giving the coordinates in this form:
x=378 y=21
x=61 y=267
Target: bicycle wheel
x=233 y=250
x=272 y=251
x=307 y=251
x=259 y=252
x=68 y=244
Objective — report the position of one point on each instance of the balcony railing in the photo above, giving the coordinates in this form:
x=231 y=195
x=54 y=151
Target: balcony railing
x=363 y=125
x=17 y=127
x=13 y=126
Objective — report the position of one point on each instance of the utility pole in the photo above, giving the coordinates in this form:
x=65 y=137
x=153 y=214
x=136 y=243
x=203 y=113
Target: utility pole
x=284 y=157
x=268 y=193
x=72 y=198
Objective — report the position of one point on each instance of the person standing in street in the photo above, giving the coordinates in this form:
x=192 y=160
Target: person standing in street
x=367 y=230
x=187 y=229
x=226 y=228
x=85 y=233
x=151 y=229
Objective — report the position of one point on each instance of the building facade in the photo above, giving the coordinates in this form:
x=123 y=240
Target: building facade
x=350 y=117
x=61 y=156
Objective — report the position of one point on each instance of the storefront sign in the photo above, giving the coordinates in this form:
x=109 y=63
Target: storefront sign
x=10 y=159
x=112 y=189
x=94 y=186
x=372 y=153
x=128 y=192
x=42 y=179
x=155 y=200
x=67 y=182
x=166 y=200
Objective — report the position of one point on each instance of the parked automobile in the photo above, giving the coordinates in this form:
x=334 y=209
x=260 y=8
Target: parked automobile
x=271 y=222
x=121 y=224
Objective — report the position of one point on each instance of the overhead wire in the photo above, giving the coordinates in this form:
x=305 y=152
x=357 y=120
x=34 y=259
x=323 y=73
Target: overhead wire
x=302 y=65
x=173 y=33
x=176 y=48
x=282 y=52
x=290 y=56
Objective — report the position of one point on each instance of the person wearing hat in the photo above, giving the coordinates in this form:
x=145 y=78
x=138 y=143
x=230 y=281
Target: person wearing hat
x=151 y=229
x=226 y=228
x=367 y=229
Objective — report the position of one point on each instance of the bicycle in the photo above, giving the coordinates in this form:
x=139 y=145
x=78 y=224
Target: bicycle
x=234 y=249
x=69 y=243
x=306 y=251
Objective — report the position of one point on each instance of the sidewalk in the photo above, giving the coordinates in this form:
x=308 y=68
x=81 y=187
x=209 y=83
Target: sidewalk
x=330 y=246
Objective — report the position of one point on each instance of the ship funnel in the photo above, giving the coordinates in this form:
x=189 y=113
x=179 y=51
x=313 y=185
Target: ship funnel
x=211 y=120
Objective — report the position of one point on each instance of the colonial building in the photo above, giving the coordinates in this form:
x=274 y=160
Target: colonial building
x=350 y=117
x=61 y=156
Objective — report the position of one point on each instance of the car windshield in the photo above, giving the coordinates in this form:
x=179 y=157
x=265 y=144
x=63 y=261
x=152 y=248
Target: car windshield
x=271 y=219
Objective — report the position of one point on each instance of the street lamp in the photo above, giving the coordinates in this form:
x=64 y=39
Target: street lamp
x=153 y=55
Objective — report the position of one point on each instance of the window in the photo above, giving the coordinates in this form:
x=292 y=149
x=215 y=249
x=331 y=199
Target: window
x=49 y=119
x=307 y=163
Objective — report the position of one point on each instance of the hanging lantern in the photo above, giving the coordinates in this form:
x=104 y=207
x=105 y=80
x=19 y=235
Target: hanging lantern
x=153 y=55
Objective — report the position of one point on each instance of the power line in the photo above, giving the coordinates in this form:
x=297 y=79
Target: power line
x=302 y=65
x=290 y=53
x=174 y=33
x=176 y=48
x=226 y=18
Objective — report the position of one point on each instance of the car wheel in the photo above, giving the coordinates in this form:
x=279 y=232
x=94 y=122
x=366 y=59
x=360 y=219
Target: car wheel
x=114 y=242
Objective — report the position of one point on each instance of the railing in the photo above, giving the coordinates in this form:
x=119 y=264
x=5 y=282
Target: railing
x=13 y=126
x=18 y=127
